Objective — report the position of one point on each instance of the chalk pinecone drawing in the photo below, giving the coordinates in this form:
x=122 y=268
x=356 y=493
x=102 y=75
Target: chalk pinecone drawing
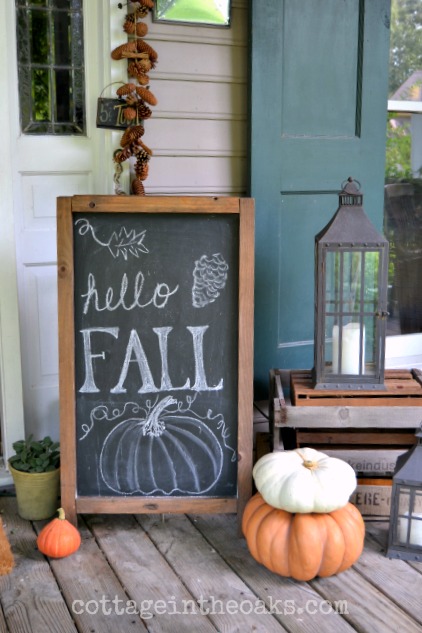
x=209 y=279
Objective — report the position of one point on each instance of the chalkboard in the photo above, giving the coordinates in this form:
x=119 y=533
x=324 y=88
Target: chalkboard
x=155 y=341
x=110 y=114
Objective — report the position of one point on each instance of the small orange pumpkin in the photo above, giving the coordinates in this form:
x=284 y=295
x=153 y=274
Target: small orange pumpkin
x=303 y=546
x=59 y=538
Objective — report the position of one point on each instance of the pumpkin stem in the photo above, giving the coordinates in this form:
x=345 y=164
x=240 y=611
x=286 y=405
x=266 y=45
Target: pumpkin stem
x=62 y=515
x=308 y=463
x=153 y=425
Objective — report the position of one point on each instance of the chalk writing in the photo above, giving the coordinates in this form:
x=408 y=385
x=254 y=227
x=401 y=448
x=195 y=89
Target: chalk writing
x=135 y=353
x=159 y=299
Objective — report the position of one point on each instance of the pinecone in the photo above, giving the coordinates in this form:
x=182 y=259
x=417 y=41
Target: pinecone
x=146 y=3
x=131 y=134
x=138 y=187
x=144 y=112
x=129 y=113
x=143 y=47
x=129 y=47
x=146 y=95
x=139 y=28
x=126 y=89
x=119 y=157
x=141 y=170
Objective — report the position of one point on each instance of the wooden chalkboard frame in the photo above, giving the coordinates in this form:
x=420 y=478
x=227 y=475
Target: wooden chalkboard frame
x=67 y=208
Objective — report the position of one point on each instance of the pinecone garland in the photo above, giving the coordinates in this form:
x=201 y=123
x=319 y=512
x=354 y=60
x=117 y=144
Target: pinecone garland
x=141 y=58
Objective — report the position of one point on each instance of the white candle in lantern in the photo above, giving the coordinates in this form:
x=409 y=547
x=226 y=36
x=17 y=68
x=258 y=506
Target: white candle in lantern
x=350 y=349
x=415 y=537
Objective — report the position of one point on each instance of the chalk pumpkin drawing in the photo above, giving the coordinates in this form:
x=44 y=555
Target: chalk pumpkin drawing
x=155 y=454
x=209 y=279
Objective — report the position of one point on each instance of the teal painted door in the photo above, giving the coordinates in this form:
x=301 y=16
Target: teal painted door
x=318 y=115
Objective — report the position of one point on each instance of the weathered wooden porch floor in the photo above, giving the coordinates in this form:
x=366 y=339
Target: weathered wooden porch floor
x=194 y=574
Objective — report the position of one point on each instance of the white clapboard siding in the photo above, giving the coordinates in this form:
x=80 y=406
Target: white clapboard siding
x=198 y=129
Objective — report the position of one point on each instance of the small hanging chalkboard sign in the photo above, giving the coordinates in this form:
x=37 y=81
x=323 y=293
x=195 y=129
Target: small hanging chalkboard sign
x=155 y=341
x=110 y=114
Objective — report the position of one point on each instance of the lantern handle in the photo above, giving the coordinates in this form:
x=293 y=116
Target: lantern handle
x=350 y=179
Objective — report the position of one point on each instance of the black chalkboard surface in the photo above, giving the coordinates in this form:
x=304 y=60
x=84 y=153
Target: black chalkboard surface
x=156 y=375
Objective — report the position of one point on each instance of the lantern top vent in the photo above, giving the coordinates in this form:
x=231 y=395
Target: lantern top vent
x=351 y=195
x=350 y=225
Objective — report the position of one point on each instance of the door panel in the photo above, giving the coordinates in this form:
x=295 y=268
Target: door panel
x=317 y=117
x=44 y=167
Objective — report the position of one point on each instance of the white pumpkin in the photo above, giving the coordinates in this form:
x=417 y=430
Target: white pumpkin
x=304 y=480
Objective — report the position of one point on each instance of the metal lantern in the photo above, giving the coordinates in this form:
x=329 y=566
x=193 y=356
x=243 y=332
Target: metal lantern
x=351 y=268
x=405 y=534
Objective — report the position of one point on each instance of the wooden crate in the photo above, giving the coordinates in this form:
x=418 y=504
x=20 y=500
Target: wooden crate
x=368 y=429
x=373 y=497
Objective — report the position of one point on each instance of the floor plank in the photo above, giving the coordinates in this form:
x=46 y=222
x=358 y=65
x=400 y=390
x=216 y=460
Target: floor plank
x=379 y=531
x=3 y=625
x=148 y=578
x=208 y=577
x=197 y=570
x=368 y=609
x=31 y=599
x=93 y=593
x=297 y=604
x=395 y=578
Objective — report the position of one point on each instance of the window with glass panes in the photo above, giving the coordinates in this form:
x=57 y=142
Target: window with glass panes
x=50 y=54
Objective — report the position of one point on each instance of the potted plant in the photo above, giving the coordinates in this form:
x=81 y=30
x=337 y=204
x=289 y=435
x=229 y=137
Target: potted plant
x=35 y=469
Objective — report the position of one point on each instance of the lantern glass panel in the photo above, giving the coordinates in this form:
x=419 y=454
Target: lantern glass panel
x=351 y=300
x=409 y=518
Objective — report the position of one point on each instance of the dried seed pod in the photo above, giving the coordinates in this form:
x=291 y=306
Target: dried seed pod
x=129 y=47
x=144 y=112
x=126 y=89
x=143 y=47
x=129 y=113
x=138 y=187
x=146 y=95
x=131 y=134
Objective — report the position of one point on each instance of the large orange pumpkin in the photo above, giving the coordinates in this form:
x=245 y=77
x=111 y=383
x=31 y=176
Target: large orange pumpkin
x=303 y=546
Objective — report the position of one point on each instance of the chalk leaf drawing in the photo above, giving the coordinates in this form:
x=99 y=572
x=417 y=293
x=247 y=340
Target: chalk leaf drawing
x=123 y=242
x=209 y=279
x=168 y=449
